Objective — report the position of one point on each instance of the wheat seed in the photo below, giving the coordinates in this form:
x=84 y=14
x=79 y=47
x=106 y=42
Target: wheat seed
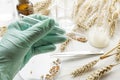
x=52 y=72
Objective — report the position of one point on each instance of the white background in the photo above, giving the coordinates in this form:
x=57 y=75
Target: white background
x=40 y=64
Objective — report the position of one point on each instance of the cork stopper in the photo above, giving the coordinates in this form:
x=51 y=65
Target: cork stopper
x=23 y=1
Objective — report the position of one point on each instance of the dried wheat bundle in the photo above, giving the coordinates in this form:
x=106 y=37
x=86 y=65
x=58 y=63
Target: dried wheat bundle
x=99 y=73
x=83 y=69
x=89 y=13
x=42 y=7
x=82 y=13
x=64 y=45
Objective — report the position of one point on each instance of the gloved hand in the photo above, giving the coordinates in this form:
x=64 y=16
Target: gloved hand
x=45 y=44
x=24 y=39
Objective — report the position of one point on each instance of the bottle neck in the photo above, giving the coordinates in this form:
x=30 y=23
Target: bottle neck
x=23 y=1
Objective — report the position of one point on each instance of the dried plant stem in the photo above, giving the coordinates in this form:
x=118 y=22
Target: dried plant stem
x=106 y=56
x=99 y=73
x=107 y=53
x=64 y=45
x=83 y=69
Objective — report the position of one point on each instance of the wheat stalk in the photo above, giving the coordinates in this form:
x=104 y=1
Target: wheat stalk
x=99 y=73
x=110 y=51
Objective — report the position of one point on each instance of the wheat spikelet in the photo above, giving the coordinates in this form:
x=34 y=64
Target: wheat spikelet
x=113 y=23
x=64 y=45
x=42 y=7
x=83 y=69
x=79 y=24
x=99 y=73
x=80 y=39
x=43 y=4
x=117 y=57
x=77 y=6
x=92 y=20
x=3 y=30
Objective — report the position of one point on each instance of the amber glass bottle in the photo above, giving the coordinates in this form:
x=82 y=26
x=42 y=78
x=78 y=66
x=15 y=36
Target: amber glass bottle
x=25 y=7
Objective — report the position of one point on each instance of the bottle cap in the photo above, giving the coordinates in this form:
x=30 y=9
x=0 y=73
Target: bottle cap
x=23 y=1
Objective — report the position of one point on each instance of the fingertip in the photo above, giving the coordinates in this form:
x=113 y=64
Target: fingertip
x=53 y=47
x=63 y=32
x=51 y=22
x=63 y=39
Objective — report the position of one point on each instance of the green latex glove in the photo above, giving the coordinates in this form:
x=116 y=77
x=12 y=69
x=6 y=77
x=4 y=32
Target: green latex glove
x=45 y=44
x=24 y=40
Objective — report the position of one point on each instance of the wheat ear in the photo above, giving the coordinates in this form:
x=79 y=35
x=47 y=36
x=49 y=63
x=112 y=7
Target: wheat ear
x=83 y=69
x=64 y=45
x=99 y=73
x=53 y=71
x=74 y=37
x=117 y=57
x=42 y=7
x=3 y=30
x=90 y=65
